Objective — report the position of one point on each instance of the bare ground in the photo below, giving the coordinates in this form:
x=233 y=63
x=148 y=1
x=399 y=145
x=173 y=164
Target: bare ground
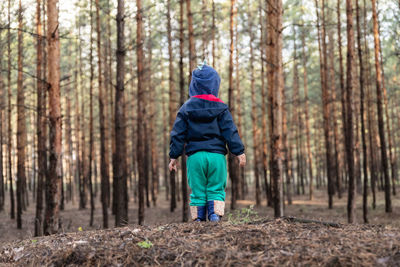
x=246 y=237
x=261 y=243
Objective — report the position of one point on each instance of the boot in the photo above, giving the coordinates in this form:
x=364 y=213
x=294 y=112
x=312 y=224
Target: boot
x=198 y=213
x=215 y=209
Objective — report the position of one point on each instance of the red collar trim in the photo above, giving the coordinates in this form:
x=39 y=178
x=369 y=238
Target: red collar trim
x=209 y=98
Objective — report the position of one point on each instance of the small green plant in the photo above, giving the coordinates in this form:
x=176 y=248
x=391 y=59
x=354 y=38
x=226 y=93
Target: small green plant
x=243 y=215
x=145 y=244
x=80 y=229
x=34 y=241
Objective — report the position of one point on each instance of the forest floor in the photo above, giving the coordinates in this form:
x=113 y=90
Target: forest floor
x=246 y=236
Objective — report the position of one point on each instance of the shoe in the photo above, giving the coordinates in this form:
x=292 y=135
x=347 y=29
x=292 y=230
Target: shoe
x=198 y=213
x=215 y=209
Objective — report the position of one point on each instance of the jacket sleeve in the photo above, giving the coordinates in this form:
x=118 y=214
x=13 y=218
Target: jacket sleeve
x=178 y=136
x=230 y=133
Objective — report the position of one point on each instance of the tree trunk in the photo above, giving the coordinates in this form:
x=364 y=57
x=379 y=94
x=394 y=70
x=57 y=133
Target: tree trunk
x=82 y=166
x=264 y=112
x=204 y=33
x=349 y=113
x=392 y=155
x=307 y=119
x=141 y=111
x=21 y=125
x=104 y=164
x=231 y=158
x=172 y=99
x=119 y=158
x=91 y=137
x=185 y=198
x=2 y=96
x=336 y=138
x=275 y=90
x=152 y=118
x=287 y=161
x=296 y=119
x=9 y=145
x=192 y=47
x=325 y=103
x=53 y=178
x=238 y=99
x=41 y=125
x=362 y=111
x=213 y=34
x=254 y=113
x=342 y=88
x=385 y=166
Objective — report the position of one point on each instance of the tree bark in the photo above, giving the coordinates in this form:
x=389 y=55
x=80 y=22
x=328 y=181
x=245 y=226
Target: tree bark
x=172 y=99
x=392 y=155
x=342 y=88
x=141 y=110
x=264 y=112
x=254 y=113
x=53 y=178
x=325 y=102
x=185 y=198
x=385 y=166
x=91 y=137
x=362 y=111
x=104 y=163
x=213 y=34
x=40 y=124
x=241 y=182
x=307 y=117
x=275 y=90
x=231 y=158
x=2 y=96
x=119 y=158
x=21 y=125
x=192 y=47
x=349 y=113
x=9 y=145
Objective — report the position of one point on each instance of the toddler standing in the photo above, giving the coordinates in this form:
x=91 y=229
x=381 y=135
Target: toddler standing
x=203 y=127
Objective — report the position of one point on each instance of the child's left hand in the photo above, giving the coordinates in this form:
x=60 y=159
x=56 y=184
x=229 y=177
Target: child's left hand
x=173 y=165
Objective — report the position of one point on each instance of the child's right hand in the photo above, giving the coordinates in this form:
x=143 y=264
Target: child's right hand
x=173 y=165
x=242 y=160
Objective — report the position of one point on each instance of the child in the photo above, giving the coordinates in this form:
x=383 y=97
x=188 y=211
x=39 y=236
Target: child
x=205 y=125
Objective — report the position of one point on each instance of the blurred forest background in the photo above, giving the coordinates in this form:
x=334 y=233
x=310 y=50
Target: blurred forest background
x=313 y=87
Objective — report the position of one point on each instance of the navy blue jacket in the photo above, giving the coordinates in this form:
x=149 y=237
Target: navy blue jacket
x=204 y=122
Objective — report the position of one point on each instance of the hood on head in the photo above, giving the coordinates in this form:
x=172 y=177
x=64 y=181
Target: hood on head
x=204 y=82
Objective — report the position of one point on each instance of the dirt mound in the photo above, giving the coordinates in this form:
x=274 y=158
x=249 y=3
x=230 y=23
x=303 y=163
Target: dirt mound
x=266 y=242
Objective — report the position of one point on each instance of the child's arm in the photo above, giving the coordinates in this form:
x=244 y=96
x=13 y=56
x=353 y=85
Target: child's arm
x=178 y=136
x=231 y=135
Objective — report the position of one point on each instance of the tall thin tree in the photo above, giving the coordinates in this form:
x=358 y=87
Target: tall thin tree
x=384 y=160
x=119 y=158
x=349 y=112
x=21 y=124
x=40 y=124
x=172 y=103
x=185 y=203
x=275 y=90
x=9 y=144
x=140 y=109
x=362 y=113
x=53 y=178
x=104 y=163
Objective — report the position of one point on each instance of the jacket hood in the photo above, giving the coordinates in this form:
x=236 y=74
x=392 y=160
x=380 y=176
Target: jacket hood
x=203 y=110
x=204 y=82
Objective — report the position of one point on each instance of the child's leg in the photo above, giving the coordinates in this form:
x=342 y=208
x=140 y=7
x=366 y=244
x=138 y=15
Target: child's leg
x=217 y=174
x=197 y=170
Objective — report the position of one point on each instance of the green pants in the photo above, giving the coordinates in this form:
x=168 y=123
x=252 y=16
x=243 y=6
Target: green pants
x=207 y=177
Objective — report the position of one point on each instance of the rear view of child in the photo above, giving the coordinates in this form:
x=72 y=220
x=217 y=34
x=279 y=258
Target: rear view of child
x=203 y=127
